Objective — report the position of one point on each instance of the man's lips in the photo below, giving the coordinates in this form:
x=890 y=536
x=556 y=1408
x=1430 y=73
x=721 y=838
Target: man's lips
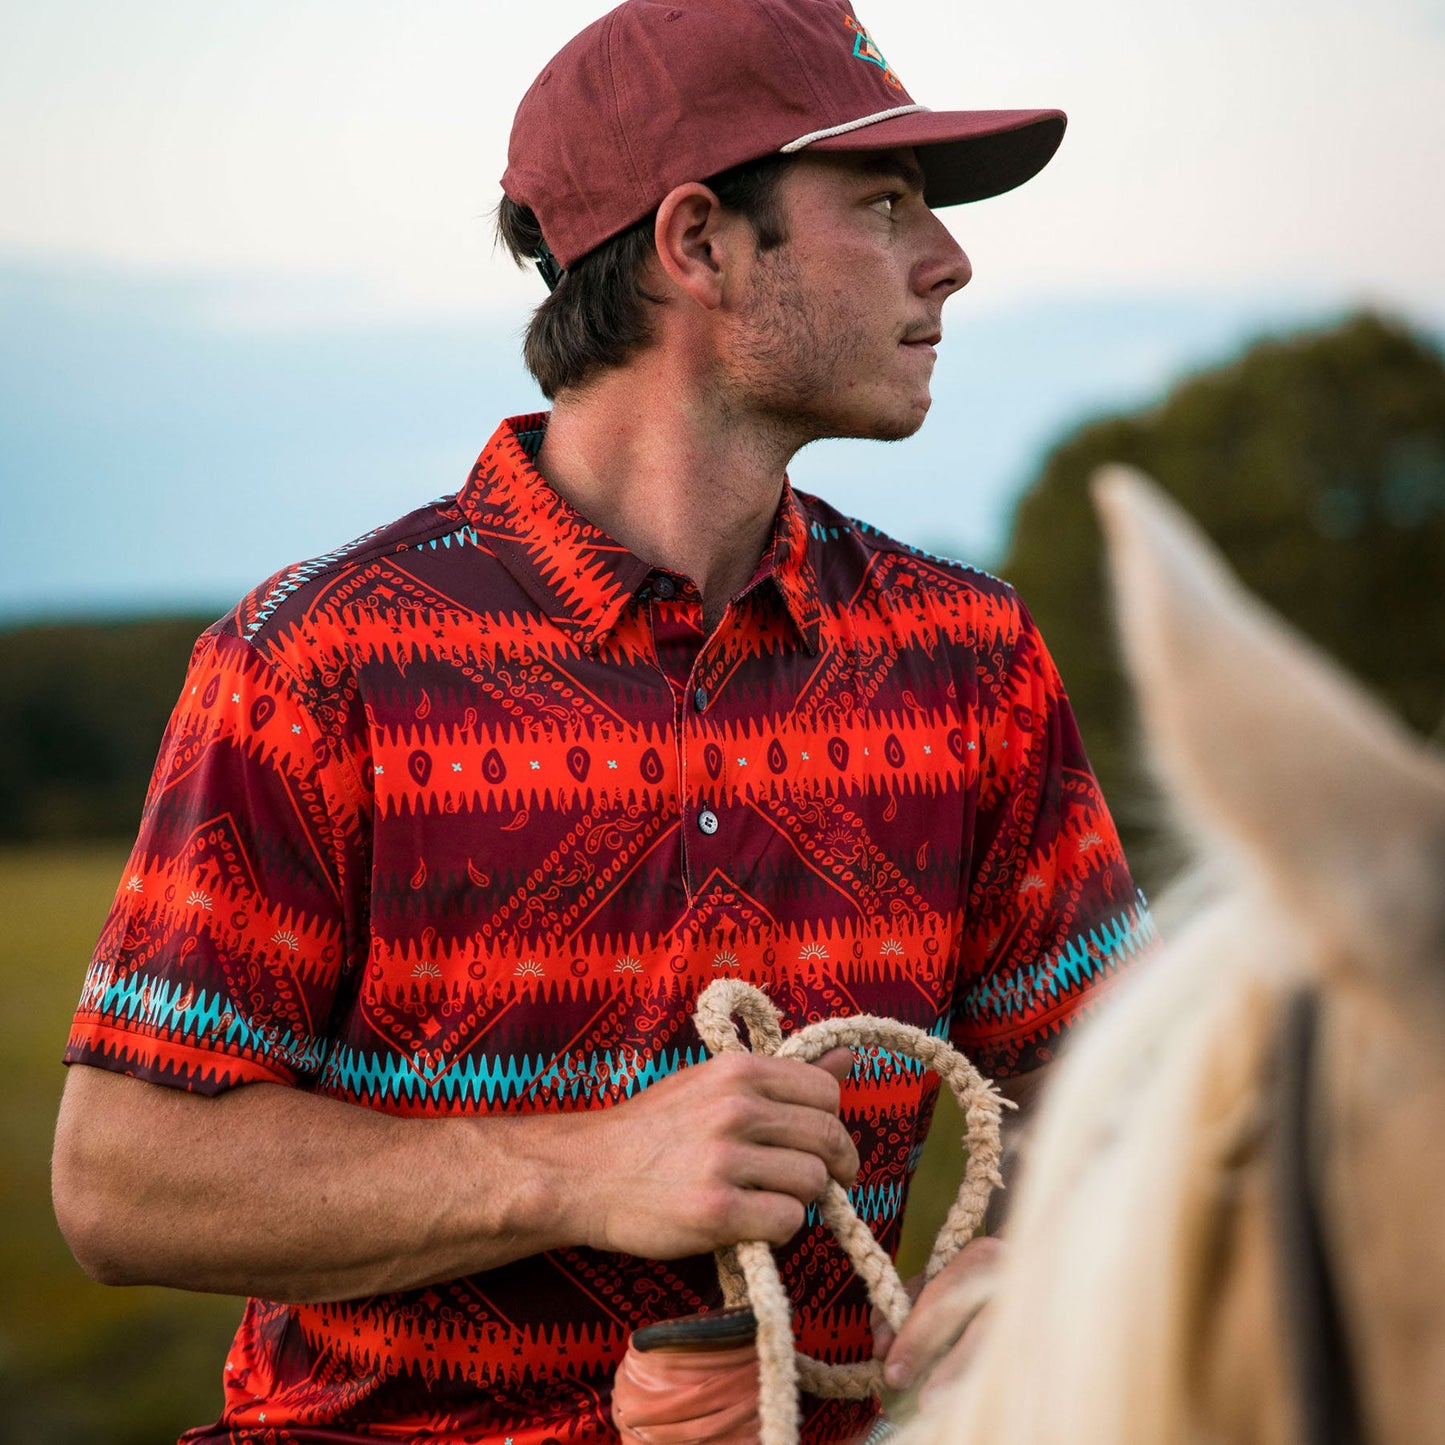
x=928 y=339
x=923 y=346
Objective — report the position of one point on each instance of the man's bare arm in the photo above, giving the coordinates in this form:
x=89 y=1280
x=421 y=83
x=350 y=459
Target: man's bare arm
x=271 y=1191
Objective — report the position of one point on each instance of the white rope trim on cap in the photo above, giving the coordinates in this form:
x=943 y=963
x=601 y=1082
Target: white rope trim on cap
x=804 y=140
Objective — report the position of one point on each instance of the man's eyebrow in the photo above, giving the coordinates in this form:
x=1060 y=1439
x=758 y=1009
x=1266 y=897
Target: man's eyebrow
x=894 y=168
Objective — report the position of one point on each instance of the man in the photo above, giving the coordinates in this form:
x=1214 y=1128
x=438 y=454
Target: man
x=389 y=1027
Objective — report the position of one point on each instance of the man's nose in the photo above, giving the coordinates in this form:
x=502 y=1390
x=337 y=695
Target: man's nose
x=946 y=268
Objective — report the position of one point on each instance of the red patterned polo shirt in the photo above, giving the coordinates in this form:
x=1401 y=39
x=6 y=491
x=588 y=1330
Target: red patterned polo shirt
x=461 y=818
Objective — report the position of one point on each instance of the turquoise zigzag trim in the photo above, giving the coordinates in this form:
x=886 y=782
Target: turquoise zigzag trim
x=1080 y=960
x=873 y=1204
x=462 y=536
x=217 y=1020
x=139 y=998
x=500 y=1078
x=874 y=1063
x=474 y=1078
x=297 y=577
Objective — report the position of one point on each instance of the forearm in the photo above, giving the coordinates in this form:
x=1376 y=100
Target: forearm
x=273 y=1192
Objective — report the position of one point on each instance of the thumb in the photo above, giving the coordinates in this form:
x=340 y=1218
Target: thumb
x=838 y=1062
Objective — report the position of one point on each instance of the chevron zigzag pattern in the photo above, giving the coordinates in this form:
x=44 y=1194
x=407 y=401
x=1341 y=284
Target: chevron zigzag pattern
x=461 y=818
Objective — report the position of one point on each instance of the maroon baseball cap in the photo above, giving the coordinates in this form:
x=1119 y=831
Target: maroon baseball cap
x=659 y=92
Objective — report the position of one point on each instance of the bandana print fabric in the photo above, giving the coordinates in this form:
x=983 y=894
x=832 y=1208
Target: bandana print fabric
x=461 y=819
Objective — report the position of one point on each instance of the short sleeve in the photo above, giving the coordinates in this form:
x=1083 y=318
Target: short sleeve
x=241 y=912
x=1052 y=912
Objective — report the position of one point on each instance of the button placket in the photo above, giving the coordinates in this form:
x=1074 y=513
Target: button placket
x=707 y=794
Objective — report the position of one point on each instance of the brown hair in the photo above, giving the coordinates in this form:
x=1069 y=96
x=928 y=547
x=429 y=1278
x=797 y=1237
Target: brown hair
x=599 y=313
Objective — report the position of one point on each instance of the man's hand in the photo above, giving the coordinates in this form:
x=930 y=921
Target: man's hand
x=733 y=1149
x=941 y=1334
x=942 y=1331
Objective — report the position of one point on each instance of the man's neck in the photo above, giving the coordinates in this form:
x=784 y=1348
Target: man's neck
x=662 y=471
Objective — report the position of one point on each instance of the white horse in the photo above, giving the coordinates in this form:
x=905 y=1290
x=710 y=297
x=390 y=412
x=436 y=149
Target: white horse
x=1231 y=1224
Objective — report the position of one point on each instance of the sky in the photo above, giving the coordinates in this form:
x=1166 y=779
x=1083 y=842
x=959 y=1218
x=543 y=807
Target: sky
x=249 y=305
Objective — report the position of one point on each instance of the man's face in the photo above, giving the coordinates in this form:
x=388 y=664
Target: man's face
x=836 y=327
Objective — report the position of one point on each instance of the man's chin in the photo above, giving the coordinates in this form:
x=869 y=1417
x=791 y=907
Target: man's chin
x=880 y=426
x=895 y=427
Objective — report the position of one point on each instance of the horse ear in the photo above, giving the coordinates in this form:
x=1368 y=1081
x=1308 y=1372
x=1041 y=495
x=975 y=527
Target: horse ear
x=1269 y=746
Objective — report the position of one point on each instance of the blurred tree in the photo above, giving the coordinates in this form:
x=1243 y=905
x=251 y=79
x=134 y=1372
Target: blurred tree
x=1317 y=463
x=82 y=709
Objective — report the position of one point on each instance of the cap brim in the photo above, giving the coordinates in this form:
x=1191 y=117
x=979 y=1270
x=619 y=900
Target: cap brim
x=966 y=155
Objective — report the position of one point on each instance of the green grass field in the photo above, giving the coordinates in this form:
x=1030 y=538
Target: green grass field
x=80 y=1363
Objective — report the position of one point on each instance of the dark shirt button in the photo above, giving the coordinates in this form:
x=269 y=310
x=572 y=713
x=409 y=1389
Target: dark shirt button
x=700 y=698
x=664 y=587
x=707 y=821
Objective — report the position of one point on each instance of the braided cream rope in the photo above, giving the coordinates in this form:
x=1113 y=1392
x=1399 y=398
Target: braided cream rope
x=748 y=1272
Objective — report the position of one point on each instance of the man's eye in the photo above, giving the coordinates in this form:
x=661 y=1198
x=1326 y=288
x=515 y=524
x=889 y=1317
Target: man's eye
x=885 y=204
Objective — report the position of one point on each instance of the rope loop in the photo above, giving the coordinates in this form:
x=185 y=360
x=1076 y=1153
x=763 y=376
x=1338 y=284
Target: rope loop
x=748 y=1272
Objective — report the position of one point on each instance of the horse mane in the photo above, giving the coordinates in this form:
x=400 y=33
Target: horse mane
x=1094 y=1333
x=1142 y=1296
x=1097 y=1324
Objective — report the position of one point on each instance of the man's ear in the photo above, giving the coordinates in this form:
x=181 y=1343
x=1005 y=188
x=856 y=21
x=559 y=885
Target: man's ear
x=694 y=235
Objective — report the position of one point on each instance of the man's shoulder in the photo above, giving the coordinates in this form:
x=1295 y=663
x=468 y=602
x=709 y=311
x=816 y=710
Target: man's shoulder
x=363 y=579
x=858 y=564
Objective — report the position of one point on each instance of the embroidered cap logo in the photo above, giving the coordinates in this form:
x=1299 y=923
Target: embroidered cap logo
x=866 y=48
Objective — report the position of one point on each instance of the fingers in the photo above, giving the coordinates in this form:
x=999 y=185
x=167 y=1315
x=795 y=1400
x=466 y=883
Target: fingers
x=791 y=1081
x=782 y=1171
x=955 y=1362
x=940 y=1320
x=813 y=1133
x=883 y=1335
x=765 y=1215
x=783 y=1104
x=734 y=1149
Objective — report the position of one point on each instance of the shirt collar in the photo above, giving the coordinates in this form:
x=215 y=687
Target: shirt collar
x=573 y=570
x=787 y=561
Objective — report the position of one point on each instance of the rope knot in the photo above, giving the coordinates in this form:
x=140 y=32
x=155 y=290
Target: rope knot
x=748 y=1272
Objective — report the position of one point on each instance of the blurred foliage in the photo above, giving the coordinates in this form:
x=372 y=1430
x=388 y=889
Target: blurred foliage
x=79 y=1363
x=82 y=709
x=1317 y=463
